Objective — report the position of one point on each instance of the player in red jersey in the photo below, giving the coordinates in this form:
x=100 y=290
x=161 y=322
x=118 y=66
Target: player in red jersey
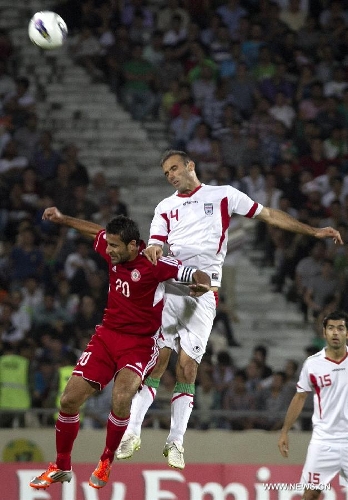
x=124 y=346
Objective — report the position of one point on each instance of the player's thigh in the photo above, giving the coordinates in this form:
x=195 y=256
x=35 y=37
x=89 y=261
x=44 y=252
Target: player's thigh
x=162 y=362
x=195 y=330
x=77 y=391
x=322 y=463
x=126 y=385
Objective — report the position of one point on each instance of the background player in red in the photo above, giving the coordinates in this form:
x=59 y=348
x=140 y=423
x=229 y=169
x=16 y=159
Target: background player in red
x=124 y=346
x=325 y=374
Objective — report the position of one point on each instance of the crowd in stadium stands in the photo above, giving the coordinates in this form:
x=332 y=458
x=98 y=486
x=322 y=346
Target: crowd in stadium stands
x=256 y=91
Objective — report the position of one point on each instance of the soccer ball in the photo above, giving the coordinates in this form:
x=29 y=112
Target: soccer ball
x=47 y=30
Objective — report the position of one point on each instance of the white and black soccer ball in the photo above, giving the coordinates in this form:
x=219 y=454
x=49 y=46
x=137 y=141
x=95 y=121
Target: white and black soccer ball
x=47 y=30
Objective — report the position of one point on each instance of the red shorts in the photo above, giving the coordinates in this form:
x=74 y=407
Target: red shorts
x=108 y=352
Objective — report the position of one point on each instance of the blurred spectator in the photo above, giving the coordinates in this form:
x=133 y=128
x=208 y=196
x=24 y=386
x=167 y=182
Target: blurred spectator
x=238 y=398
x=322 y=287
x=279 y=82
x=87 y=315
x=182 y=128
x=26 y=257
x=14 y=366
x=293 y=16
x=204 y=150
x=260 y=354
x=60 y=188
x=27 y=137
x=78 y=266
x=137 y=90
x=166 y=13
x=98 y=187
x=231 y=12
x=282 y=111
x=204 y=86
x=213 y=108
x=205 y=401
x=254 y=181
x=78 y=172
x=273 y=400
x=87 y=52
x=233 y=143
x=52 y=319
x=80 y=205
x=261 y=123
x=11 y=162
x=242 y=88
x=153 y=51
x=46 y=158
x=176 y=32
x=20 y=102
x=131 y=8
x=117 y=206
x=223 y=373
x=7 y=82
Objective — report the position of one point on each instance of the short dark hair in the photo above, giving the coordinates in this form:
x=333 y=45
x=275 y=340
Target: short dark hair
x=336 y=315
x=173 y=152
x=127 y=229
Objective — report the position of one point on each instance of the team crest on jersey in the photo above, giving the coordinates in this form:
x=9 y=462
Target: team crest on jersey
x=135 y=275
x=196 y=349
x=208 y=208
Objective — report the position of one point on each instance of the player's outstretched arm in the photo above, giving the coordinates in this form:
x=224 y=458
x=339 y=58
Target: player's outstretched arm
x=89 y=229
x=294 y=410
x=201 y=283
x=284 y=221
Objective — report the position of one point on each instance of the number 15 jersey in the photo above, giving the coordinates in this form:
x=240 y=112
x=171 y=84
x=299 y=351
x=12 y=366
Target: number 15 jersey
x=328 y=380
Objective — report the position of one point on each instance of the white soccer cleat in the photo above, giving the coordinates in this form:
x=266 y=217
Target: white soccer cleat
x=175 y=453
x=128 y=445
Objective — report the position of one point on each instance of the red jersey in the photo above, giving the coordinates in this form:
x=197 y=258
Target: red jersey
x=136 y=291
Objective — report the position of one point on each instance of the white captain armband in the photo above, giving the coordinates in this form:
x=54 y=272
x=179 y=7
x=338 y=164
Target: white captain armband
x=185 y=274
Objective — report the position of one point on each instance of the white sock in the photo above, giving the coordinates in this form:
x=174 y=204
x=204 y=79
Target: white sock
x=140 y=404
x=181 y=409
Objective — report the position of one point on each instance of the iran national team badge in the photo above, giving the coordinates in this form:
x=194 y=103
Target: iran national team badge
x=208 y=208
x=135 y=275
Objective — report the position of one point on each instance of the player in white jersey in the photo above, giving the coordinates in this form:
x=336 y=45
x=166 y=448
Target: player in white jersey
x=194 y=222
x=325 y=374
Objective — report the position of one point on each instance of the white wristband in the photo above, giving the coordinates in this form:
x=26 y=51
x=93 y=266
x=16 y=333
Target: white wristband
x=185 y=274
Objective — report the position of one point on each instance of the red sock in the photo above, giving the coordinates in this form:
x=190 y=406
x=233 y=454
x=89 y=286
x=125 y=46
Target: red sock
x=67 y=427
x=115 y=429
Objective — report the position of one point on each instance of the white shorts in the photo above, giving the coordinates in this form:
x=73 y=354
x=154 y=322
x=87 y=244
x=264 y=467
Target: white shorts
x=187 y=321
x=324 y=461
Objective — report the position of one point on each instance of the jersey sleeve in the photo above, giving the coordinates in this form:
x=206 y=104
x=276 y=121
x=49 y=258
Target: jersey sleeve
x=241 y=204
x=159 y=228
x=304 y=383
x=168 y=267
x=100 y=244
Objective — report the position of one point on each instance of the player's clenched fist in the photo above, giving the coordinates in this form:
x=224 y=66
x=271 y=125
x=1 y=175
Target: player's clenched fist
x=52 y=214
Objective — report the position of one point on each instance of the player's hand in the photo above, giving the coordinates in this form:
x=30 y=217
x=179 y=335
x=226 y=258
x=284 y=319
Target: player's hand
x=153 y=253
x=283 y=445
x=198 y=289
x=52 y=214
x=201 y=283
x=329 y=232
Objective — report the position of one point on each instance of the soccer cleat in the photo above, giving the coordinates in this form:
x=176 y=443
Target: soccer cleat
x=100 y=476
x=51 y=475
x=175 y=453
x=128 y=445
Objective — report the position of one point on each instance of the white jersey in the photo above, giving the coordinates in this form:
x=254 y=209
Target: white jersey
x=329 y=381
x=195 y=225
